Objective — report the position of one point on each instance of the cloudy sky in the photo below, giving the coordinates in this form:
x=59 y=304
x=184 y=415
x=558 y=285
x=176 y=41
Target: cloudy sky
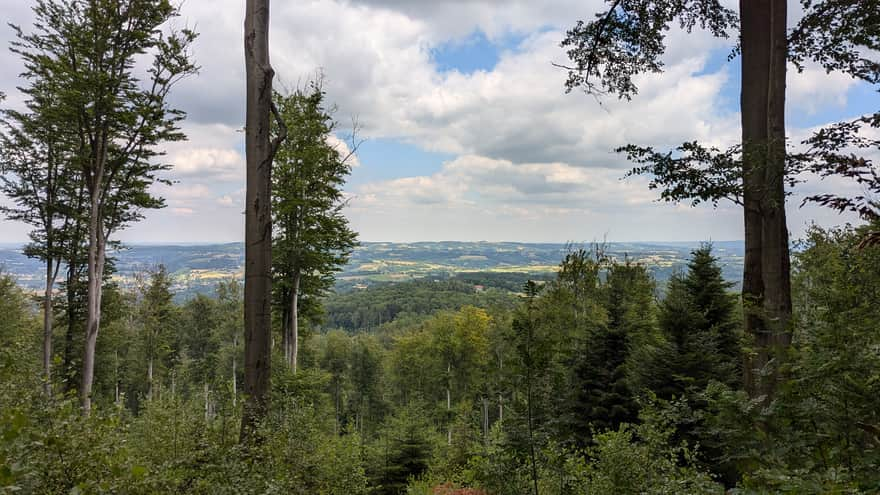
x=469 y=132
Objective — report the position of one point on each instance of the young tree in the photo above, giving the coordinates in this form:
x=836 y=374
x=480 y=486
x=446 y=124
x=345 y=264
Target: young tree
x=37 y=172
x=336 y=359
x=601 y=394
x=260 y=149
x=312 y=236
x=524 y=329
x=230 y=323
x=698 y=340
x=157 y=314
x=629 y=39
x=114 y=120
x=366 y=371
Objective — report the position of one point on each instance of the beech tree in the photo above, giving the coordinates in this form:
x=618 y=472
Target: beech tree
x=37 y=173
x=629 y=39
x=312 y=238
x=260 y=149
x=87 y=53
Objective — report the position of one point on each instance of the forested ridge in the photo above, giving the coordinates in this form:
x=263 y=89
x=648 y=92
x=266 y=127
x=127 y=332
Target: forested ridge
x=615 y=391
x=597 y=378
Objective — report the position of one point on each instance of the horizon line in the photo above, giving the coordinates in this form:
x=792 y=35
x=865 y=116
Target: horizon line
x=215 y=243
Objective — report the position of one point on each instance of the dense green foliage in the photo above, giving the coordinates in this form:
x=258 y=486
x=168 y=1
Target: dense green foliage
x=588 y=384
x=594 y=380
x=369 y=308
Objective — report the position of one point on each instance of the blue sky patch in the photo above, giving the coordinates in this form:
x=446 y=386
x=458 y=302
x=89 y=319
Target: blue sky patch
x=473 y=53
x=386 y=159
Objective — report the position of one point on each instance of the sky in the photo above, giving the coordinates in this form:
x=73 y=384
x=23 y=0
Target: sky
x=468 y=131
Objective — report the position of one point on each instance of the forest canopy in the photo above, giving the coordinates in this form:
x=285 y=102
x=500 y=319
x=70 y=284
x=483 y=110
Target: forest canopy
x=590 y=376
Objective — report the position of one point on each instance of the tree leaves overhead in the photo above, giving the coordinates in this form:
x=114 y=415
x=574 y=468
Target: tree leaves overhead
x=691 y=172
x=629 y=39
x=840 y=35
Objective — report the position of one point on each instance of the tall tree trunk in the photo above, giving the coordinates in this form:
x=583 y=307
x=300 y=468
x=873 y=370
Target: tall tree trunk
x=71 y=326
x=116 y=377
x=776 y=261
x=336 y=424
x=293 y=338
x=485 y=402
x=48 y=314
x=285 y=325
x=258 y=218
x=95 y=276
x=207 y=408
x=150 y=379
x=448 y=401
x=500 y=398
x=766 y=274
x=234 y=372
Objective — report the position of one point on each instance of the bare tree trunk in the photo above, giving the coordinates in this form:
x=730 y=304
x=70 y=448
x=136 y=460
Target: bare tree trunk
x=336 y=425
x=71 y=328
x=485 y=402
x=48 y=314
x=116 y=377
x=258 y=219
x=776 y=262
x=293 y=338
x=234 y=377
x=206 y=402
x=285 y=326
x=448 y=401
x=95 y=277
x=500 y=398
x=150 y=379
x=766 y=275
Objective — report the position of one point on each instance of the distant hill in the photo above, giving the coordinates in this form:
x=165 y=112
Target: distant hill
x=197 y=267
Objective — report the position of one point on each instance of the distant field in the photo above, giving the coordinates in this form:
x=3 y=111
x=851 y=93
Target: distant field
x=197 y=268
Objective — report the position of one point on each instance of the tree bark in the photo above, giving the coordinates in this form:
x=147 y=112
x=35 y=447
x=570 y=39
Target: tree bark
x=285 y=325
x=293 y=338
x=234 y=377
x=116 y=377
x=448 y=401
x=150 y=379
x=48 y=314
x=258 y=218
x=766 y=271
x=95 y=278
x=71 y=327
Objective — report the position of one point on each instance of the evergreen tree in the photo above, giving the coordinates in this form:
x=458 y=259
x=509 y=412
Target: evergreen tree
x=157 y=320
x=629 y=39
x=602 y=397
x=717 y=307
x=698 y=340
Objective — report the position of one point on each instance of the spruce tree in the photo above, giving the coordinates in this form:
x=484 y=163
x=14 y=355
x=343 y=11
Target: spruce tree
x=712 y=298
x=698 y=340
x=602 y=396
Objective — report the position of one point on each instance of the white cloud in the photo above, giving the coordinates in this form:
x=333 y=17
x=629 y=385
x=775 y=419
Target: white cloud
x=530 y=161
x=481 y=182
x=814 y=89
x=344 y=149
